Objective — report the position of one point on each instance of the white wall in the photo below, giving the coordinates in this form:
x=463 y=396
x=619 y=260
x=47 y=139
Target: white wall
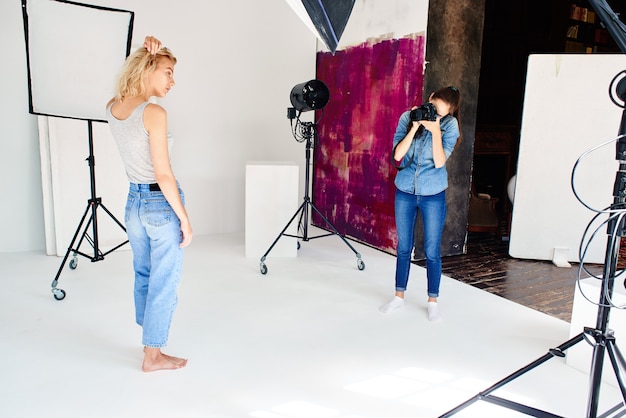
x=237 y=64
x=21 y=215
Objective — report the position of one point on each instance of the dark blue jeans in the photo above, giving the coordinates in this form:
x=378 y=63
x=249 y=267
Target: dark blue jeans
x=433 y=212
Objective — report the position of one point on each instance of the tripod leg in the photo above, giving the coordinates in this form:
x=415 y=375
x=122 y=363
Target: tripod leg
x=263 y=267
x=359 y=261
x=618 y=365
x=618 y=355
x=86 y=236
x=98 y=254
x=597 y=364
x=95 y=241
x=112 y=216
x=485 y=395
x=60 y=293
x=119 y=224
x=302 y=223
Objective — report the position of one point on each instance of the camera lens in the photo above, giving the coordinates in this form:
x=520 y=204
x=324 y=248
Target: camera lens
x=426 y=111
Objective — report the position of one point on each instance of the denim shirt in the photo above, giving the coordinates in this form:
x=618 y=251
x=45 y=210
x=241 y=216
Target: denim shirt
x=421 y=177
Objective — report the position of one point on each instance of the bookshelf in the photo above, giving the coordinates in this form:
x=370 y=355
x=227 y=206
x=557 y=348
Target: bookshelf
x=585 y=33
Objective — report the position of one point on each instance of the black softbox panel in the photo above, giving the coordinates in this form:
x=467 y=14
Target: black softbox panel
x=329 y=18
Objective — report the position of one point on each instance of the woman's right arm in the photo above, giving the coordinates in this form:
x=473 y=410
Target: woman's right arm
x=155 y=121
x=402 y=138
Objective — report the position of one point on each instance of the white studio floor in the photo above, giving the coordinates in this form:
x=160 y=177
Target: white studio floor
x=304 y=341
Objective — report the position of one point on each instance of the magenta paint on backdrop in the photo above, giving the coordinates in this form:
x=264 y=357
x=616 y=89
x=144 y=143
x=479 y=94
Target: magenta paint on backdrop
x=370 y=86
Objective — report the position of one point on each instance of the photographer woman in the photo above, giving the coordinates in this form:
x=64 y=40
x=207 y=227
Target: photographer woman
x=421 y=148
x=156 y=220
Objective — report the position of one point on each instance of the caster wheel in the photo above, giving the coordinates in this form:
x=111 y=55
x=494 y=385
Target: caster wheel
x=73 y=263
x=298 y=247
x=360 y=264
x=59 y=294
x=263 y=269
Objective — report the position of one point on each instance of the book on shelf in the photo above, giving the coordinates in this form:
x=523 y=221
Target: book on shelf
x=582 y=14
x=601 y=36
x=572 y=32
x=591 y=16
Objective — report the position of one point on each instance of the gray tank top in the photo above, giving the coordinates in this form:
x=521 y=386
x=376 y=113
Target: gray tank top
x=133 y=142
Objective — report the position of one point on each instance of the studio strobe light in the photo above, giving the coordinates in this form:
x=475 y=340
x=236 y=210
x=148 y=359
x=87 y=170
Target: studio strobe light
x=311 y=95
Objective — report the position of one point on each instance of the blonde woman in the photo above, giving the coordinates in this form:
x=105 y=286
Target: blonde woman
x=156 y=220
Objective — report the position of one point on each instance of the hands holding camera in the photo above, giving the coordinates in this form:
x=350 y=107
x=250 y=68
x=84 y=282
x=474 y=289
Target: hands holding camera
x=426 y=115
x=432 y=126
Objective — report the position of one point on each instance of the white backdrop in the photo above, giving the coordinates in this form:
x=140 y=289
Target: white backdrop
x=567 y=110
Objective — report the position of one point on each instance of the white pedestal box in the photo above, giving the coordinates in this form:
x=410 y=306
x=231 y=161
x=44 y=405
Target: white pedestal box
x=584 y=314
x=271 y=201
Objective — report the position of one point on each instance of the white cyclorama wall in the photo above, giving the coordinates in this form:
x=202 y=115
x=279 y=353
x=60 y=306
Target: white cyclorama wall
x=237 y=63
x=567 y=111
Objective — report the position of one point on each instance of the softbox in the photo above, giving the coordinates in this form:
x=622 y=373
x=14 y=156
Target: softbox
x=325 y=18
x=73 y=53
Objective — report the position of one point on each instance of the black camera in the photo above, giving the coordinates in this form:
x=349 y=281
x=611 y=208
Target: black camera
x=426 y=111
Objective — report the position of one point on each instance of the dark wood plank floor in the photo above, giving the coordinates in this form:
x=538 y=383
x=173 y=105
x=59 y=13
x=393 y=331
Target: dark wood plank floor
x=537 y=284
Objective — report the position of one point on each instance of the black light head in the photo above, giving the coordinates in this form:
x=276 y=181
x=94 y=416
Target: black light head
x=311 y=95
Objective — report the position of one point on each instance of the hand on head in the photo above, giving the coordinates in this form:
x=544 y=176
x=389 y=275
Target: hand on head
x=152 y=44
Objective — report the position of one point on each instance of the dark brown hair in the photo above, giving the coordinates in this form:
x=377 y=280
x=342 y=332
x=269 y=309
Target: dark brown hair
x=450 y=95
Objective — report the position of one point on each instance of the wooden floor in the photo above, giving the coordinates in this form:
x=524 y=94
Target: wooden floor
x=537 y=284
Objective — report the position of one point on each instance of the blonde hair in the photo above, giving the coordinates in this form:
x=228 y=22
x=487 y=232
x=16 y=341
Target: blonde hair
x=138 y=65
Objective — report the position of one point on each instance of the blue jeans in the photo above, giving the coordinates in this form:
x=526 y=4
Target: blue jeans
x=154 y=233
x=433 y=212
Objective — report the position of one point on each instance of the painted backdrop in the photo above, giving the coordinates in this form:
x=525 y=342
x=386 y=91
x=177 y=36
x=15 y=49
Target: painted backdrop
x=370 y=86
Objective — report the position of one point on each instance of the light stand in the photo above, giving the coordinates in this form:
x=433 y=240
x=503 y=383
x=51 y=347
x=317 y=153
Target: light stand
x=66 y=79
x=308 y=96
x=601 y=337
x=92 y=206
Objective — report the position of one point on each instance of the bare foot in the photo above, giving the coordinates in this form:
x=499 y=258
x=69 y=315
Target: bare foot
x=176 y=360
x=155 y=360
